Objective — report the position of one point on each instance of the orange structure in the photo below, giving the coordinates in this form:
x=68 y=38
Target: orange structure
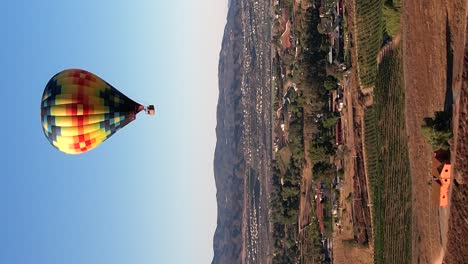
x=445 y=184
x=442 y=170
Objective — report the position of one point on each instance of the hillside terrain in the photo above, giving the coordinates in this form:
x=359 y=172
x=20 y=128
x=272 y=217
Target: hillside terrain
x=243 y=150
x=321 y=153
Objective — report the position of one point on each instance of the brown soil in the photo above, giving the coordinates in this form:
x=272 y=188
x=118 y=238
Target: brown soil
x=285 y=41
x=344 y=249
x=360 y=207
x=457 y=245
x=428 y=26
x=284 y=18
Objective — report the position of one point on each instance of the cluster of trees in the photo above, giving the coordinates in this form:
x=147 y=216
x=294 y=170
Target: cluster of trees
x=320 y=150
x=284 y=214
x=310 y=69
x=313 y=57
x=330 y=83
x=314 y=253
x=296 y=126
x=285 y=195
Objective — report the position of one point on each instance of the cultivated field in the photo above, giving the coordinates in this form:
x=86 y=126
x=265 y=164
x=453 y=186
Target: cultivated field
x=388 y=164
x=368 y=29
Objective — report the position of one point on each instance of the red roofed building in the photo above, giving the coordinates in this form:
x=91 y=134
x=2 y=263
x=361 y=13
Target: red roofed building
x=442 y=170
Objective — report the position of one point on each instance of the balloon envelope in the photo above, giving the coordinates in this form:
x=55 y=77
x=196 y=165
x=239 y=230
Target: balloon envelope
x=79 y=111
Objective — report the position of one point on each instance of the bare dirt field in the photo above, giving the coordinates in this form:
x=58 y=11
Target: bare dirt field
x=428 y=26
x=361 y=210
x=344 y=247
x=457 y=245
x=346 y=252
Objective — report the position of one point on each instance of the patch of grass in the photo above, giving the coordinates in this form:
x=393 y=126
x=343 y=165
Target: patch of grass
x=284 y=158
x=391 y=16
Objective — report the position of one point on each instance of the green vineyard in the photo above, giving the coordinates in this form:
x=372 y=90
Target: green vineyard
x=375 y=181
x=369 y=28
x=388 y=164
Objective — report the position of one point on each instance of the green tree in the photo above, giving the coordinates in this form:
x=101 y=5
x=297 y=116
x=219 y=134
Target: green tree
x=330 y=121
x=330 y=83
x=323 y=170
x=437 y=139
x=437 y=130
x=289 y=192
x=318 y=153
x=290 y=243
x=321 y=148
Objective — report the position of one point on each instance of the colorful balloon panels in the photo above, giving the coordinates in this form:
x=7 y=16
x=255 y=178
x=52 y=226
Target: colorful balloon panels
x=79 y=111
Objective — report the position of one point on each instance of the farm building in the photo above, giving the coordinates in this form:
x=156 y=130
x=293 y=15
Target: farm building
x=445 y=184
x=441 y=170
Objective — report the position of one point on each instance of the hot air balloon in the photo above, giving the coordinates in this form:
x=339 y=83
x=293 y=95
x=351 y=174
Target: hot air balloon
x=79 y=111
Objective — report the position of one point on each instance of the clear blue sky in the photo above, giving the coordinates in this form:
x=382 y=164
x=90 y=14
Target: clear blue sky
x=147 y=194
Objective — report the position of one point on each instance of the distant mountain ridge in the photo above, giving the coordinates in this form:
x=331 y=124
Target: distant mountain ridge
x=243 y=155
x=229 y=162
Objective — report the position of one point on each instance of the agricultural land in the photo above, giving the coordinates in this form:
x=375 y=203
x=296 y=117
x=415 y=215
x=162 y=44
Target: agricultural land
x=334 y=114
